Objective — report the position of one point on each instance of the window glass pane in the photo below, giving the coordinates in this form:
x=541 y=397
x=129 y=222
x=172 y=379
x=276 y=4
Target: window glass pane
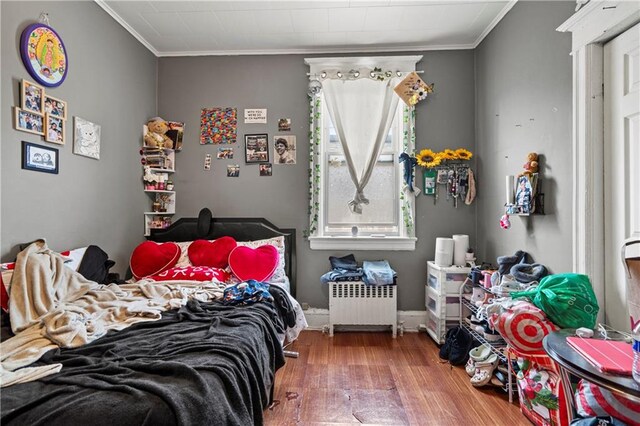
x=381 y=192
x=334 y=142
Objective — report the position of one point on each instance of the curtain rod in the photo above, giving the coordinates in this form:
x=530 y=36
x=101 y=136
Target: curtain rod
x=397 y=72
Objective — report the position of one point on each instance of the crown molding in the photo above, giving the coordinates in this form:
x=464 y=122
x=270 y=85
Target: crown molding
x=126 y=26
x=316 y=51
x=495 y=22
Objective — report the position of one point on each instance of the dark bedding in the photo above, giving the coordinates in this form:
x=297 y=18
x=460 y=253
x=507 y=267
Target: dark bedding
x=204 y=364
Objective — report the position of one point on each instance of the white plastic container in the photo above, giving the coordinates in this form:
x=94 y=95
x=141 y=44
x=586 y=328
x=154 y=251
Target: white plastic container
x=444 y=251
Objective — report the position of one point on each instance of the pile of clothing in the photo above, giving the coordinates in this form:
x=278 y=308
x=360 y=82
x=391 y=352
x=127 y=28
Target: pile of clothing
x=515 y=273
x=346 y=268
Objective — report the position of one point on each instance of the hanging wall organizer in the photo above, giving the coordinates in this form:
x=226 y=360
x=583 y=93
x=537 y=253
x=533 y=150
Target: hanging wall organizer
x=448 y=171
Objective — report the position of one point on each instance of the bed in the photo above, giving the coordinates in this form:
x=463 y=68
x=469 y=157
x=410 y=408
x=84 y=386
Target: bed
x=204 y=363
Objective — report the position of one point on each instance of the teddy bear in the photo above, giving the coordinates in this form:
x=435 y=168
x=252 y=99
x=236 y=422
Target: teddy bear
x=156 y=136
x=531 y=166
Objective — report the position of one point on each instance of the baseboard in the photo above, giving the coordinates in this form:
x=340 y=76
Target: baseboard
x=318 y=319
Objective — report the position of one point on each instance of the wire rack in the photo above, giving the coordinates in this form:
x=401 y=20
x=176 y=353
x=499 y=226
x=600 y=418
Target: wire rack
x=499 y=348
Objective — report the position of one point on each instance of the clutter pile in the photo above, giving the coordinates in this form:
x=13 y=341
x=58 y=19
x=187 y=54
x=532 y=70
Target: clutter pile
x=514 y=306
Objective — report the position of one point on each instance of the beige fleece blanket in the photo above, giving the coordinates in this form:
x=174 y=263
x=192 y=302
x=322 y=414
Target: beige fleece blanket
x=53 y=306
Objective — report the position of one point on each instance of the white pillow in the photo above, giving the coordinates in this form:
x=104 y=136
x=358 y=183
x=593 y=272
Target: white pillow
x=184 y=261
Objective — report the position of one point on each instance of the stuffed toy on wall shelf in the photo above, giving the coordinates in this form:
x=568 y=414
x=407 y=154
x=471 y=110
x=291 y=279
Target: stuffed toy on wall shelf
x=531 y=166
x=155 y=134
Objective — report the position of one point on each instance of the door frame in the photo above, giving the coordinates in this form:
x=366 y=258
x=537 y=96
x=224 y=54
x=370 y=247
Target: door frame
x=591 y=27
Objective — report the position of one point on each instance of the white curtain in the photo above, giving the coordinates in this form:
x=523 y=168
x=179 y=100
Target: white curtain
x=362 y=111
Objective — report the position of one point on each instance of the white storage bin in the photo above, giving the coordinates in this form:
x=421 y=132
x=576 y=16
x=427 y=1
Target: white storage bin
x=437 y=327
x=442 y=306
x=446 y=280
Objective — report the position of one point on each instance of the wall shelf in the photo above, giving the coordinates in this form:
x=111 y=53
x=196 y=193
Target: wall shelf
x=158 y=164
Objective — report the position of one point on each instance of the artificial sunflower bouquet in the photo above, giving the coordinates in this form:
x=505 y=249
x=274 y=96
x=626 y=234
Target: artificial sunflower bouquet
x=429 y=159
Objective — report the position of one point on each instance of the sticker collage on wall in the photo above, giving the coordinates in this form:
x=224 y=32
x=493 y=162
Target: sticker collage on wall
x=219 y=126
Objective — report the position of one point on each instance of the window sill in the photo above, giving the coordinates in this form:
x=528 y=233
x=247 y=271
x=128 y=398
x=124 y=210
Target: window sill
x=363 y=243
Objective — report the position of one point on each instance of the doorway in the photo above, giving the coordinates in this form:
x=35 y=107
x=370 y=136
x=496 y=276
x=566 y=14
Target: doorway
x=621 y=165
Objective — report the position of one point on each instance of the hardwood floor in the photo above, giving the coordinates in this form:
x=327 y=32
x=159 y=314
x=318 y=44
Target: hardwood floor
x=371 y=378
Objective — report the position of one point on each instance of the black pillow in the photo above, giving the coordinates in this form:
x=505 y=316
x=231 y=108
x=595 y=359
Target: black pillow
x=95 y=265
x=347 y=262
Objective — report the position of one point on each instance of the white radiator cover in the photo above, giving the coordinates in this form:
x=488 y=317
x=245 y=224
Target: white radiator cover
x=355 y=303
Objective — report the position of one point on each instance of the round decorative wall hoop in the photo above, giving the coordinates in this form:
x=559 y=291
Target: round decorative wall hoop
x=44 y=55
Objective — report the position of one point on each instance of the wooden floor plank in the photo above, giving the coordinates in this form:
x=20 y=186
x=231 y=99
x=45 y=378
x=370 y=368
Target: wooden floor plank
x=371 y=378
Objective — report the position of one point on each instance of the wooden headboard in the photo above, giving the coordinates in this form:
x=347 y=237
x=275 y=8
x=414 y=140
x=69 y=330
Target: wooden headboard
x=207 y=227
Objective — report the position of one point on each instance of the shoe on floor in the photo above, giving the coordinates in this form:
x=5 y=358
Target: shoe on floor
x=480 y=353
x=498 y=379
x=484 y=371
x=470 y=368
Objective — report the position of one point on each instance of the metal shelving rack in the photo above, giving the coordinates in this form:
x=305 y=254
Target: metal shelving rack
x=499 y=348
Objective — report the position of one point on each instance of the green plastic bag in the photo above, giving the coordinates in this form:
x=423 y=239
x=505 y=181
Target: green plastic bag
x=567 y=299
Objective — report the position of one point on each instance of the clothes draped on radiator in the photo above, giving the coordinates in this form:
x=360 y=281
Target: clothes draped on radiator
x=378 y=272
x=343 y=269
x=337 y=275
x=346 y=268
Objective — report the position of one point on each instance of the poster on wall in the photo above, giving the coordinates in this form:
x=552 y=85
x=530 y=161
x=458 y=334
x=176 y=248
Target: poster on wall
x=218 y=126
x=284 y=148
x=86 y=138
x=255 y=116
x=44 y=55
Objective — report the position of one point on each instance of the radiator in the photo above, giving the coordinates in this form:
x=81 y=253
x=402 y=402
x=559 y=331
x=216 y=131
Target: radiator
x=355 y=303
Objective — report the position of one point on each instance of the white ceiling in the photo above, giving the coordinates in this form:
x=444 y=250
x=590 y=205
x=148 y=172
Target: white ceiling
x=187 y=28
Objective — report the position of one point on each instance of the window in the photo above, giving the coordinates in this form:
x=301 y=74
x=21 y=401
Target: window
x=339 y=218
x=381 y=215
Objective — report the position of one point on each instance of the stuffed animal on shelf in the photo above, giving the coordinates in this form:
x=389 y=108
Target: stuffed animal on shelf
x=155 y=136
x=531 y=166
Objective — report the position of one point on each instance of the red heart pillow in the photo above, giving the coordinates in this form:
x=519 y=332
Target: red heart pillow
x=254 y=264
x=214 y=254
x=151 y=258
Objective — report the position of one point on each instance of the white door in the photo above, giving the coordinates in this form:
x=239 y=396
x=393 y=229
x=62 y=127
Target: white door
x=622 y=164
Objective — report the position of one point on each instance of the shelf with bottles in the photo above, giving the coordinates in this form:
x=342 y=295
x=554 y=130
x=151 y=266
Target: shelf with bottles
x=154 y=220
x=163 y=202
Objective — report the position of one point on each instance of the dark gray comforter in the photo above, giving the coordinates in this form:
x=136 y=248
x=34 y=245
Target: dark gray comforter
x=204 y=364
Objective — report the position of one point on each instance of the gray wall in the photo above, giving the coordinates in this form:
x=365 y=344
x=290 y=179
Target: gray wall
x=279 y=83
x=523 y=104
x=112 y=82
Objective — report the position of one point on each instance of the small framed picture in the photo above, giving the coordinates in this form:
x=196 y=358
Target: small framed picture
x=265 y=169
x=86 y=138
x=224 y=153
x=32 y=96
x=284 y=149
x=27 y=121
x=256 y=148
x=39 y=158
x=233 y=170
x=55 y=107
x=284 y=124
x=55 y=129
